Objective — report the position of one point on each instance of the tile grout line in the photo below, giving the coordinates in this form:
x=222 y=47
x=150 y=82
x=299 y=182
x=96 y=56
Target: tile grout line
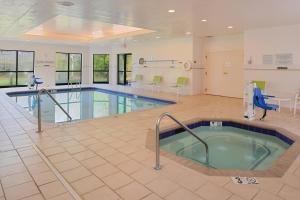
x=58 y=175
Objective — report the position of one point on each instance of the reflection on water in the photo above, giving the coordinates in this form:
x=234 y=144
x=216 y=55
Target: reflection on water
x=83 y=105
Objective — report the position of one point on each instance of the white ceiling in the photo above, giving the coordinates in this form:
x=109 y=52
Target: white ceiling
x=20 y=16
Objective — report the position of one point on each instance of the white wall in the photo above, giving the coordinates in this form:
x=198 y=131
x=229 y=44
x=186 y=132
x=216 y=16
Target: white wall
x=180 y=49
x=273 y=41
x=46 y=52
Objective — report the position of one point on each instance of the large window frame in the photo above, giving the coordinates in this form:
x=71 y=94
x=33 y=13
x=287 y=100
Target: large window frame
x=125 y=67
x=68 y=69
x=17 y=71
x=106 y=56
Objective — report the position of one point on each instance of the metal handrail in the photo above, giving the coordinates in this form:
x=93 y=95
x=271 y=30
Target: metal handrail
x=39 y=108
x=157 y=150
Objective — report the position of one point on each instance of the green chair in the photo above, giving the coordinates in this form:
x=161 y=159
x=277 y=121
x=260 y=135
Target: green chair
x=260 y=84
x=156 y=82
x=181 y=83
x=137 y=81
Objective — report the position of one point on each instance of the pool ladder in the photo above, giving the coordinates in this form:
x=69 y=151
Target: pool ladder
x=157 y=148
x=39 y=107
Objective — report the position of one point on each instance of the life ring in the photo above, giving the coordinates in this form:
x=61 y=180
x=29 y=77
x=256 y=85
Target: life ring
x=187 y=66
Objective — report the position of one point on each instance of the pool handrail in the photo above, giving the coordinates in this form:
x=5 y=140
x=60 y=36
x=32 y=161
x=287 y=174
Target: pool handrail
x=157 y=148
x=41 y=91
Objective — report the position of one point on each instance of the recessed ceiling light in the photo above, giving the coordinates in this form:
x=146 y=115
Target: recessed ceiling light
x=171 y=11
x=188 y=33
x=230 y=27
x=204 y=20
x=157 y=37
x=65 y=3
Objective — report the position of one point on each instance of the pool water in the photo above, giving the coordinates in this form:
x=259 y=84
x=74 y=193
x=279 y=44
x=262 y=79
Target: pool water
x=229 y=148
x=85 y=104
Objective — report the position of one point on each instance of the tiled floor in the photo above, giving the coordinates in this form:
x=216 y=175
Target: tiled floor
x=107 y=158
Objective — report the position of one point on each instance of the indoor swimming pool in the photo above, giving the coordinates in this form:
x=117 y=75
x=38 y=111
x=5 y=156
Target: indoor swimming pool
x=230 y=146
x=85 y=103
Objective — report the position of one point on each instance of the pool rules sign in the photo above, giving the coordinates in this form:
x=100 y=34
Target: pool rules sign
x=244 y=180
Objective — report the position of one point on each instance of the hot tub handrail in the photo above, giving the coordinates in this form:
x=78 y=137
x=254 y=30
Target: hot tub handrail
x=41 y=91
x=157 y=148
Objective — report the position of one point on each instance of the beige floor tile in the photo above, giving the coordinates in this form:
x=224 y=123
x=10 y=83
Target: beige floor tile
x=84 y=155
x=145 y=175
x=219 y=180
x=53 y=150
x=105 y=170
x=289 y=193
x=133 y=191
x=87 y=184
x=182 y=194
x=69 y=143
x=162 y=186
x=65 y=196
x=272 y=185
x=117 y=180
x=297 y=172
x=12 y=169
x=89 y=141
x=75 y=149
x=245 y=191
x=93 y=162
x=292 y=180
x=106 y=152
x=67 y=165
x=98 y=146
x=60 y=157
x=15 y=179
x=10 y=161
x=32 y=160
x=117 y=158
x=21 y=191
x=104 y=193
x=191 y=181
x=38 y=168
x=34 y=197
x=213 y=192
x=27 y=153
x=130 y=166
x=265 y=196
x=128 y=149
x=53 y=189
x=152 y=197
x=235 y=197
x=75 y=174
x=141 y=155
x=44 y=178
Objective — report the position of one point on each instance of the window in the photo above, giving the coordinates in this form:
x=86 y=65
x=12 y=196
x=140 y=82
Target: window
x=68 y=68
x=124 y=68
x=15 y=67
x=101 y=68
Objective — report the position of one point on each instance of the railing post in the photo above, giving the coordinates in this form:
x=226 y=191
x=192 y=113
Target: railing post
x=39 y=113
x=157 y=147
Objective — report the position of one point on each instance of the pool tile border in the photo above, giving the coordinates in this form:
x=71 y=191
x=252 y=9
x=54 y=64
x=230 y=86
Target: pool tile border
x=277 y=170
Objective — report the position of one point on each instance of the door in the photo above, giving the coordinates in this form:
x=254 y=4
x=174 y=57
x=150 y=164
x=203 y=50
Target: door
x=224 y=73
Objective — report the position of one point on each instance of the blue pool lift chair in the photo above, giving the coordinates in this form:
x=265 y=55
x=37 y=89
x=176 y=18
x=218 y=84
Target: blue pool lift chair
x=36 y=81
x=259 y=101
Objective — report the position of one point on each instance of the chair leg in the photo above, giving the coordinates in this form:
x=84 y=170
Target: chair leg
x=264 y=115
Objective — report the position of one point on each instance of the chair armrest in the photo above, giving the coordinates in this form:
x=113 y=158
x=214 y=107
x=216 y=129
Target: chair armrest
x=268 y=96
